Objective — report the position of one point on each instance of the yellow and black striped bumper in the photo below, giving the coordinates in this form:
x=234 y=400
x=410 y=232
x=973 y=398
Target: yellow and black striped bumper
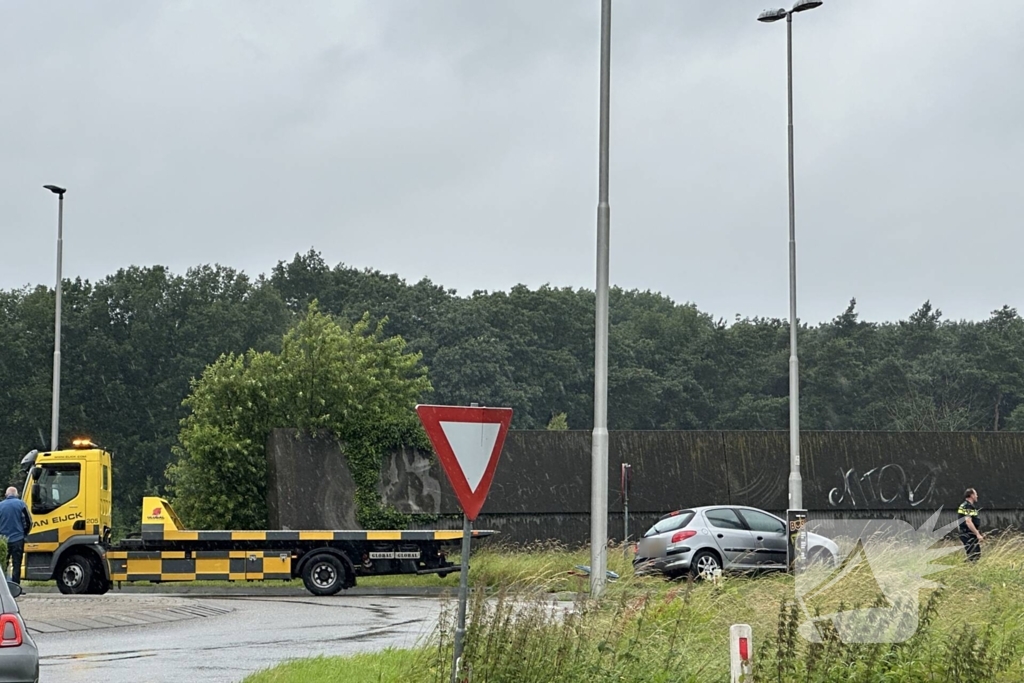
x=199 y=565
x=156 y=532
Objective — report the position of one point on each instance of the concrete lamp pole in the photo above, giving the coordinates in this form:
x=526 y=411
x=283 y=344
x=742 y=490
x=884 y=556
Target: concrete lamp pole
x=795 y=482
x=599 y=445
x=55 y=410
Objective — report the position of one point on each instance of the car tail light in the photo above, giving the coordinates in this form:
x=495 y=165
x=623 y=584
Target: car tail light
x=10 y=631
x=680 y=536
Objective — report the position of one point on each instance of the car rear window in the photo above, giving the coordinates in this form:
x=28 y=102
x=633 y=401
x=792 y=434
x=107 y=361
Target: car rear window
x=670 y=523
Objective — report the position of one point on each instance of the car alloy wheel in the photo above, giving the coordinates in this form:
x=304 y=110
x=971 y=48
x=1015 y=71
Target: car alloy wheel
x=706 y=566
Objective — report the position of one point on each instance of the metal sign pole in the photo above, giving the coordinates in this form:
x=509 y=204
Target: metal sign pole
x=466 y=437
x=460 y=629
x=625 y=518
x=627 y=474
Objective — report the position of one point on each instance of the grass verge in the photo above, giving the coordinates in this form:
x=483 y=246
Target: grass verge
x=387 y=665
x=967 y=627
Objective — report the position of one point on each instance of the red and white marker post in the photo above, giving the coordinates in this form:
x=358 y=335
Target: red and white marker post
x=741 y=652
x=468 y=443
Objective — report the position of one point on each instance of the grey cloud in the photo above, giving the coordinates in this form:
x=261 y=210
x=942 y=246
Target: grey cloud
x=458 y=140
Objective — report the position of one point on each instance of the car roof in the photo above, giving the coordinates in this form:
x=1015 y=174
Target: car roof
x=703 y=508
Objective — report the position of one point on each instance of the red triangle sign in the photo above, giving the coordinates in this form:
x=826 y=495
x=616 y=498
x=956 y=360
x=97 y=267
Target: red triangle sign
x=468 y=442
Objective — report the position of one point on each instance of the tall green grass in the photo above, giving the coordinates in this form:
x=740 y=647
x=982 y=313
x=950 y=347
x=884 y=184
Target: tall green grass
x=549 y=566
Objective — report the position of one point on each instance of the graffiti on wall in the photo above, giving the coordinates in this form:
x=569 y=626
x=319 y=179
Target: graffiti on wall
x=886 y=485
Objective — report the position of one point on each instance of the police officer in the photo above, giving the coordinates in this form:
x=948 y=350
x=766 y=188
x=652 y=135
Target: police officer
x=970 y=534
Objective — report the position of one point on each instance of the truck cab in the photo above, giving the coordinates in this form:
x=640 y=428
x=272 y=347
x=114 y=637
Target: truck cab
x=68 y=493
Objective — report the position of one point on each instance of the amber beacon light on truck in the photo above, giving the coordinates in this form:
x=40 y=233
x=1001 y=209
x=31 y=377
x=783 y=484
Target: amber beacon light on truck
x=70 y=495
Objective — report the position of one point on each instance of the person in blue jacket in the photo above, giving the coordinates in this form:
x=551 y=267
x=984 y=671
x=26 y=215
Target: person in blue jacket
x=15 y=524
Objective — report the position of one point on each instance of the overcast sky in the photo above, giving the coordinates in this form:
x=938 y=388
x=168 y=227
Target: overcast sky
x=457 y=139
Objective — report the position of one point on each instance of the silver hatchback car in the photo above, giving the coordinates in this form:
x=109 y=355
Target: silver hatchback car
x=728 y=537
x=19 y=657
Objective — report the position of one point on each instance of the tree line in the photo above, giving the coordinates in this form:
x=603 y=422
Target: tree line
x=133 y=343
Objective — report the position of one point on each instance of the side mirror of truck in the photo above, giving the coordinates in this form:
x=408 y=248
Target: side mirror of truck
x=35 y=495
x=28 y=461
x=36 y=473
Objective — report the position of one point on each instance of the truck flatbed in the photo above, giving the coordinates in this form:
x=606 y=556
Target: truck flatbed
x=69 y=492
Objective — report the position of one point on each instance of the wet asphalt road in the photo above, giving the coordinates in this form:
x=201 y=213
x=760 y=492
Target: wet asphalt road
x=257 y=633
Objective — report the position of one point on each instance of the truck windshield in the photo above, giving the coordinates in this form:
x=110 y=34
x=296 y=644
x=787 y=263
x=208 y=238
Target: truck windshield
x=56 y=485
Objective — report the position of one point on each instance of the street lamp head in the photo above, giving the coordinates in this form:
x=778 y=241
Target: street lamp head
x=804 y=5
x=54 y=189
x=770 y=15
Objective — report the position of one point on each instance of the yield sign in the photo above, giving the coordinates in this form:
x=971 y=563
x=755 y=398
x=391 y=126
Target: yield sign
x=468 y=442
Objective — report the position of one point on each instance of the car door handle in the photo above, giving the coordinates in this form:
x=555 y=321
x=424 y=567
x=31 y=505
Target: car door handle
x=721 y=536
x=760 y=538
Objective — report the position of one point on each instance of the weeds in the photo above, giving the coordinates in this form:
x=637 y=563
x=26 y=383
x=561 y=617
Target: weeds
x=932 y=653
x=530 y=638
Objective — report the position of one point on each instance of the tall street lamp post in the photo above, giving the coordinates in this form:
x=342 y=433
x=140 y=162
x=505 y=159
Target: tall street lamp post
x=55 y=410
x=599 y=445
x=795 y=482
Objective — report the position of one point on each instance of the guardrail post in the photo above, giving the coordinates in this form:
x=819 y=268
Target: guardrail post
x=741 y=652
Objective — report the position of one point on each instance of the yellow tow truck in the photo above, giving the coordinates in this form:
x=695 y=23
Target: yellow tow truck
x=69 y=494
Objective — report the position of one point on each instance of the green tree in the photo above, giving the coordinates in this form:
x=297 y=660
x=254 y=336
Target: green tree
x=833 y=365
x=750 y=381
x=558 y=423
x=351 y=382
x=1015 y=421
x=996 y=348
x=134 y=341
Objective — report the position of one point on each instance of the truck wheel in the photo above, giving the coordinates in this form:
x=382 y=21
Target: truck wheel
x=324 y=574
x=100 y=585
x=75 y=575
